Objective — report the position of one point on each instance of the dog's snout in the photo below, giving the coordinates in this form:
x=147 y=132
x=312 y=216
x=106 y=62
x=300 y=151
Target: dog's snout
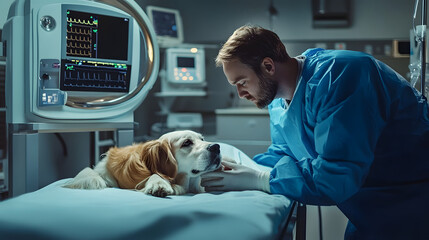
x=214 y=148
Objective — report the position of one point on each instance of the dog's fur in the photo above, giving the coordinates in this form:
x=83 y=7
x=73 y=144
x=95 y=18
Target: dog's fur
x=170 y=165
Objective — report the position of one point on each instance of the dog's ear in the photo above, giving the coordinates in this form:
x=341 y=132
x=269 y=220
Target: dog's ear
x=159 y=159
x=125 y=165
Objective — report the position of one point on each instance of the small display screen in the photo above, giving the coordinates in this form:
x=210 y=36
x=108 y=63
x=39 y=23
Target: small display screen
x=96 y=36
x=164 y=23
x=404 y=47
x=186 y=62
x=83 y=75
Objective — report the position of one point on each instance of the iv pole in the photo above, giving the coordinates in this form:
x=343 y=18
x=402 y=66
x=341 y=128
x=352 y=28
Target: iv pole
x=423 y=49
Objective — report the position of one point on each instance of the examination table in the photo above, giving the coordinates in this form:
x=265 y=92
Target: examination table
x=54 y=212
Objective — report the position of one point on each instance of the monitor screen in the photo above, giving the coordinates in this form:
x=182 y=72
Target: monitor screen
x=96 y=36
x=82 y=75
x=186 y=62
x=165 y=23
x=96 y=53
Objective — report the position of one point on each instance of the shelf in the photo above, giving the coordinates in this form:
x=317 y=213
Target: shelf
x=106 y=142
x=70 y=127
x=242 y=111
x=181 y=94
x=190 y=45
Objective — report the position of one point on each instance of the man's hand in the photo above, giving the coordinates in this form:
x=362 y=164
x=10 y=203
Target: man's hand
x=236 y=177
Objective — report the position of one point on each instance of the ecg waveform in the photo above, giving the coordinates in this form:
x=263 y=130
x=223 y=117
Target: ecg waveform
x=82 y=35
x=82 y=75
x=90 y=22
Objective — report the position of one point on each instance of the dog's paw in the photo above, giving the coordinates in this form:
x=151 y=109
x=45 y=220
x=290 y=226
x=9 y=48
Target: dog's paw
x=157 y=186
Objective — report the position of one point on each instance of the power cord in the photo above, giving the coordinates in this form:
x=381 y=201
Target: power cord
x=63 y=143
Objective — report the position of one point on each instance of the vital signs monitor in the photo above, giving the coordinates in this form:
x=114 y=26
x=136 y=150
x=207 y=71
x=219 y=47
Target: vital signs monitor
x=185 y=66
x=73 y=66
x=78 y=60
x=184 y=72
x=168 y=25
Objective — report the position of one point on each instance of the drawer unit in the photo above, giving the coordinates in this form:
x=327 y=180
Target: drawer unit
x=245 y=128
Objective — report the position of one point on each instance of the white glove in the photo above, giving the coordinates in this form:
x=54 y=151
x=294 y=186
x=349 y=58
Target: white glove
x=236 y=177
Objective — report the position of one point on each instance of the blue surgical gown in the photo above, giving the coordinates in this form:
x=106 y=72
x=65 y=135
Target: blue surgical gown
x=355 y=135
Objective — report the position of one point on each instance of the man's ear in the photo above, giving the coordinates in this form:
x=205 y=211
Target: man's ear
x=267 y=66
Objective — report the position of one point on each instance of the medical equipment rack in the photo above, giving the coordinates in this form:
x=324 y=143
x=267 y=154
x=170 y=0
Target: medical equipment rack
x=23 y=148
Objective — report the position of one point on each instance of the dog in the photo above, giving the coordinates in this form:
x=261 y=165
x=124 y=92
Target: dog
x=169 y=165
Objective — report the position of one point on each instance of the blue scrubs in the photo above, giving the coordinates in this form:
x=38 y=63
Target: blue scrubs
x=355 y=135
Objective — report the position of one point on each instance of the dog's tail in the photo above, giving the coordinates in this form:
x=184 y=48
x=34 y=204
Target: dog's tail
x=86 y=179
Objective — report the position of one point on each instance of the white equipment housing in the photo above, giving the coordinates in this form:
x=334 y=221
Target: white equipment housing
x=55 y=73
x=185 y=70
x=183 y=76
x=73 y=66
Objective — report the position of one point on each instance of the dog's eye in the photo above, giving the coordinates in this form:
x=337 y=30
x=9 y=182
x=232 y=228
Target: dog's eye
x=187 y=143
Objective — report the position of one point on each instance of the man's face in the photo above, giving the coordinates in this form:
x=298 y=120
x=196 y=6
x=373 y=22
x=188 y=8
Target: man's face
x=261 y=90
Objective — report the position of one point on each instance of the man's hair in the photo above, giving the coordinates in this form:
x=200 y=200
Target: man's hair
x=250 y=45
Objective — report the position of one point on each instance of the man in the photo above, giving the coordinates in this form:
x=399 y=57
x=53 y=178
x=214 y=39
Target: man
x=346 y=130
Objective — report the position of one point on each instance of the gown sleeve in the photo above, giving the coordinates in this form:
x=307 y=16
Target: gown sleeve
x=348 y=107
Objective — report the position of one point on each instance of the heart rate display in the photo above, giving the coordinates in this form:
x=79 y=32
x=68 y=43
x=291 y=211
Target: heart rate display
x=96 y=36
x=96 y=54
x=81 y=75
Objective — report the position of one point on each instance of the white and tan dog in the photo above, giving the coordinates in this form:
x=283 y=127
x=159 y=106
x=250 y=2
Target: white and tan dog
x=170 y=165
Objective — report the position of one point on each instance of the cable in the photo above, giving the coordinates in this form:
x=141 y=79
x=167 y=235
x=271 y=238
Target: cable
x=63 y=143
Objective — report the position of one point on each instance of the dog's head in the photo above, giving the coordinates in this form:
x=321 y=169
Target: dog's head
x=193 y=155
x=176 y=152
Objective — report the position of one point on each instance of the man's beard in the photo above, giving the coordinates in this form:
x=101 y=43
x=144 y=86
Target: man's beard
x=268 y=90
